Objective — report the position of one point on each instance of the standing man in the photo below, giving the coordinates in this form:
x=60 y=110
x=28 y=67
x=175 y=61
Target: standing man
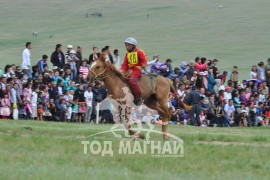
x=79 y=56
x=134 y=60
x=58 y=57
x=193 y=99
x=26 y=58
x=89 y=103
x=116 y=58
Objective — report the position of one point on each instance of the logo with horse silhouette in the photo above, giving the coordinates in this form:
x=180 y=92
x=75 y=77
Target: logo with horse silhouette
x=130 y=131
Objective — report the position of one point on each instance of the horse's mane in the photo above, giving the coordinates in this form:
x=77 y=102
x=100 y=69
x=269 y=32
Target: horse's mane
x=114 y=69
x=111 y=66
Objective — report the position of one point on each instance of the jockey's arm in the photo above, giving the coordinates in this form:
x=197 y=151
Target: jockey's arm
x=124 y=66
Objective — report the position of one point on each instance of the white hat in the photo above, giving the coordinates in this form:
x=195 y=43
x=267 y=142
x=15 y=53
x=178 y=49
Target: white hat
x=201 y=73
x=25 y=68
x=4 y=75
x=55 y=67
x=69 y=46
x=131 y=40
x=72 y=52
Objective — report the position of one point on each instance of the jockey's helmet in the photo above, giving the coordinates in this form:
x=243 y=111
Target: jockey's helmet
x=131 y=40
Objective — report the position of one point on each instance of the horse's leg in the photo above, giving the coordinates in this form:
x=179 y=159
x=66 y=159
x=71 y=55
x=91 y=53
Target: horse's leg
x=163 y=113
x=127 y=122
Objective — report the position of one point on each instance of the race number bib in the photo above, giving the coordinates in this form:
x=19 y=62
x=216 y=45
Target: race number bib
x=132 y=58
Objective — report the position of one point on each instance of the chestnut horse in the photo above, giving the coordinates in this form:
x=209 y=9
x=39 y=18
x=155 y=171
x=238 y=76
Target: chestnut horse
x=155 y=90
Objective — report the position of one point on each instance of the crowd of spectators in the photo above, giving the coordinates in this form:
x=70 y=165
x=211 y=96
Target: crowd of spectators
x=63 y=93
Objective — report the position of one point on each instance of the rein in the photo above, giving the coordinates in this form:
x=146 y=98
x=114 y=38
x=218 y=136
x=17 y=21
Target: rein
x=104 y=76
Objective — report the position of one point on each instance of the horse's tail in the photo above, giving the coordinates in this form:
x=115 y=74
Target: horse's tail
x=180 y=103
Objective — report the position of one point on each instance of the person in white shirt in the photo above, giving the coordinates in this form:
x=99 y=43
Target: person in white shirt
x=227 y=94
x=89 y=102
x=26 y=58
x=181 y=92
x=229 y=112
x=34 y=102
x=151 y=63
x=116 y=58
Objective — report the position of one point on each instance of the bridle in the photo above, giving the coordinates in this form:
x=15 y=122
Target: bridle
x=101 y=73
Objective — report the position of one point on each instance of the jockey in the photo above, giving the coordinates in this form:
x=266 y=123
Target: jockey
x=135 y=60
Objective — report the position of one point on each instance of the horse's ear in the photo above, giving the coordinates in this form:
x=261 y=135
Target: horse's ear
x=103 y=56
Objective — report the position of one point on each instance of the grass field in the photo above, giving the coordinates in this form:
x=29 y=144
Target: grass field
x=237 y=34
x=50 y=150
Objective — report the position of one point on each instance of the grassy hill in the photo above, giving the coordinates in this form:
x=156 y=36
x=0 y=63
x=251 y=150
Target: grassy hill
x=236 y=34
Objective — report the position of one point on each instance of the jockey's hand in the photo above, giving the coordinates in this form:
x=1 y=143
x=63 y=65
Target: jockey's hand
x=144 y=67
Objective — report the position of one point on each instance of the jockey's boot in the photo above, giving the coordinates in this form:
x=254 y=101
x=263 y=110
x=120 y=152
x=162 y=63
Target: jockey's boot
x=138 y=101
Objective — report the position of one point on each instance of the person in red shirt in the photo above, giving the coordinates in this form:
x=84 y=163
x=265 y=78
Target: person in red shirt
x=134 y=61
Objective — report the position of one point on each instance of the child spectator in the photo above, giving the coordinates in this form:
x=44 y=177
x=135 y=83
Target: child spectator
x=5 y=109
x=63 y=114
x=202 y=119
x=234 y=76
x=21 y=107
x=84 y=69
x=75 y=108
x=40 y=106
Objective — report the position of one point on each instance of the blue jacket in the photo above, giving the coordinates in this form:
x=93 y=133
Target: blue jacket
x=193 y=98
x=211 y=82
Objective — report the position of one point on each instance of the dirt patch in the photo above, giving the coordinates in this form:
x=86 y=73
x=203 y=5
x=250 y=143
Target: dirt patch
x=234 y=143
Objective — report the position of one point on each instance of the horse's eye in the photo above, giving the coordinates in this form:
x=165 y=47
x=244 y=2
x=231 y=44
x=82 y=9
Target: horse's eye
x=97 y=67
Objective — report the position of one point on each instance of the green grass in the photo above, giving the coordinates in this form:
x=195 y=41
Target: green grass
x=54 y=151
x=237 y=34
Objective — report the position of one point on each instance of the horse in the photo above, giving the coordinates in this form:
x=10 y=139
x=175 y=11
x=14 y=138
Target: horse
x=155 y=91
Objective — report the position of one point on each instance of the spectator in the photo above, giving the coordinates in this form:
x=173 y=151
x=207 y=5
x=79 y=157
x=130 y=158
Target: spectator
x=227 y=94
x=79 y=93
x=43 y=62
x=34 y=98
x=72 y=59
x=26 y=58
x=254 y=72
x=95 y=55
x=84 y=69
x=88 y=95
x=193 y=99
x=166 y=69
x=234 y=76
x=107 y=48
x=5 y=109
x=79 y=56
x=40 y=106
x=116 y=58
x=261 y=71
x=58 y=57
x=14 y=96
x=199 y=66
x=229 y=113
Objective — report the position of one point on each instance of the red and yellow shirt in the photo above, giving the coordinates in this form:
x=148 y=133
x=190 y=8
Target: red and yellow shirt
x=133 y=60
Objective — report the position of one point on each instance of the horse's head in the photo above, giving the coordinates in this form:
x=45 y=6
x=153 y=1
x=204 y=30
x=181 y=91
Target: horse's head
x=98 y=67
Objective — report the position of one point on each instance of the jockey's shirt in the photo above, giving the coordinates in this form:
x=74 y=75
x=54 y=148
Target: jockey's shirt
x=134 y=60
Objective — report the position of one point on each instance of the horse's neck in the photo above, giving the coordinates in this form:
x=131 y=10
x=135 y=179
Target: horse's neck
x=113 y=83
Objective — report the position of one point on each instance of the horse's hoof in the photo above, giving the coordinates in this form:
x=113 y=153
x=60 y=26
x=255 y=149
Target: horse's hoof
x=141 y=136
x=166 y=138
